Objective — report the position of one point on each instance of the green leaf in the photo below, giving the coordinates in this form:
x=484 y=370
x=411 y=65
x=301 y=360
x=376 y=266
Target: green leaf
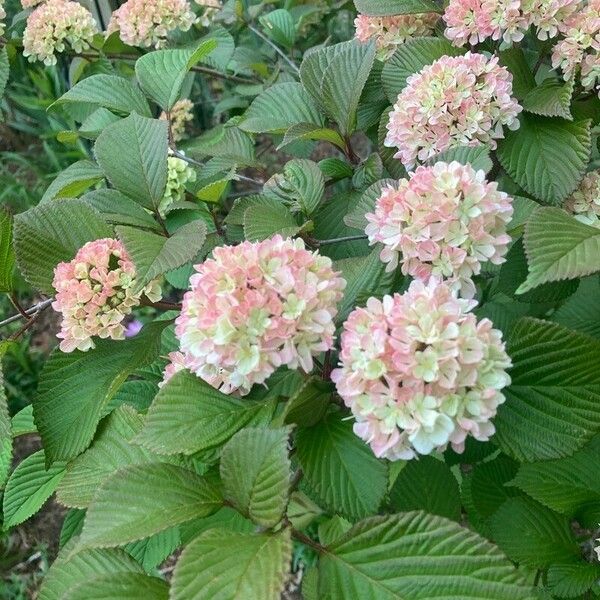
x=478 y=157
x=546 y=157
x=74 y=180
x=558 y=246
x=308 y=131
x=426 y=484
x=142 y=500
x=437 y=558
x=255 y=470
x=110 y=451
x=92 y=126
x=4 y=70
x=571 y=579
x=523 y=80
x=410 y=58
x=564 y=485
x=343 y=83
x=154 y=550
x=71 y=526
x=267 y=217
x=7 y=254
x=544 y=537
x=154 y=254
x=333 y=529
x=280 y=27
x=552 y=98
x=108 y=91
x=340 y=468
x=22 y=423
x=581 y=311
x=551 y=408
x=301 y=184
x=69 y=402
x=221 y=565
x=201 y=415
x=309 y=404
x=6 y=443
x=388 y=8
x=51 y=233
x=161 y=73
x=28 y=488
x=72 y=568
x=133 y=155
x=278 y=108
x=356 y=217
x=124 y=586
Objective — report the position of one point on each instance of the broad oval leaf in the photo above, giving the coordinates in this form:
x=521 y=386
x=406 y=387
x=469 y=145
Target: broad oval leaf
x=388 y=8
x=74 y=180
x=124 y=586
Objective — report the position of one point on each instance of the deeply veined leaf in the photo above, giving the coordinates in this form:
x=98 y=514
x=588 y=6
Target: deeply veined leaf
x=201 y=415
x=567 y=484
x=51 y=233
x=309 y=404
x=255 y=470
x=413 y=556
x=71 y=526
x=515 y=61
x=410 y=58
x=267 y=217
x=154 y=254
x=477 y=156
x=581 y=311
x=385 y=8
x=141 y=500
x=110 y=91
x=69 y=402
x=544 y=536
x=551 y=407
x=7 y=254
x=161 y=73
x=72 y=568
x=124 y=586
x=22 y=423
x=308 y=131
x=74 y=180
x=426 y=484
x=552 y=98
x=280 y=27
x=133 y=155
x=4 y=70
x=91 y=127
x=340 y=468
x=152 y=551
x=572 y=579
x=28 y=488
x=546 y=157
x=278 y=108
x=221 y=565
x=558 y=246
x=6 y=443
x=356 y=217
x=110 y=451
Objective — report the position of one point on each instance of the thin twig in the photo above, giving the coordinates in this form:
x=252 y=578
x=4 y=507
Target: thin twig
x=15 y=302
x=161 y=305
x=39 y=307
x=301 y=537
x=348 y=238
x=275 y=47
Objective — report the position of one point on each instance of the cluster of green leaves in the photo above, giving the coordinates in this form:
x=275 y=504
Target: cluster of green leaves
x=241 y=486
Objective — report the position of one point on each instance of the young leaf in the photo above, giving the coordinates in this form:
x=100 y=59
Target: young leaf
x=551 y=408
x=221 y=565
x=255 y=470
x=28 y=488
x=201 y=415
x=69 y=402
x=340 y=468
x=133 y=155
x=51 y=233
x=558 y=246
x=161 y=73
x=546 y=157
x=125 y=586
x=141 y=500
x=439 y=558
x=7 y=254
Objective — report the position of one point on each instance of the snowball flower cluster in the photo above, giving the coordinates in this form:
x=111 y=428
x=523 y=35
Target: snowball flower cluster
x=53 y=25
x=584 y=202
x=147 y=23
x=176 y=363
x=419 y=372
x=580 y=47
x=455 y=101
x=180 y=115
x=178 y=174
x=211 y=8
x=95 y=292
x=473 y=21
x=444 y=221
x=255 y=307
x=390 y=32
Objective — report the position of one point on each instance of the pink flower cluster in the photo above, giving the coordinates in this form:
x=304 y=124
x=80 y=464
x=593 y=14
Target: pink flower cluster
x=584 y=202
x=580 y=47
x=420 y=372
x=444 y=222
x=54 y=25
x=390 y=32
x=95 y=292
x=255 y=307
x=181 y=114
x=473 y=21
x=455 y=101
x=147 y=23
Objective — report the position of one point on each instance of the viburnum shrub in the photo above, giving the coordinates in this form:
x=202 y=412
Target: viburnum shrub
x=327 y=299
